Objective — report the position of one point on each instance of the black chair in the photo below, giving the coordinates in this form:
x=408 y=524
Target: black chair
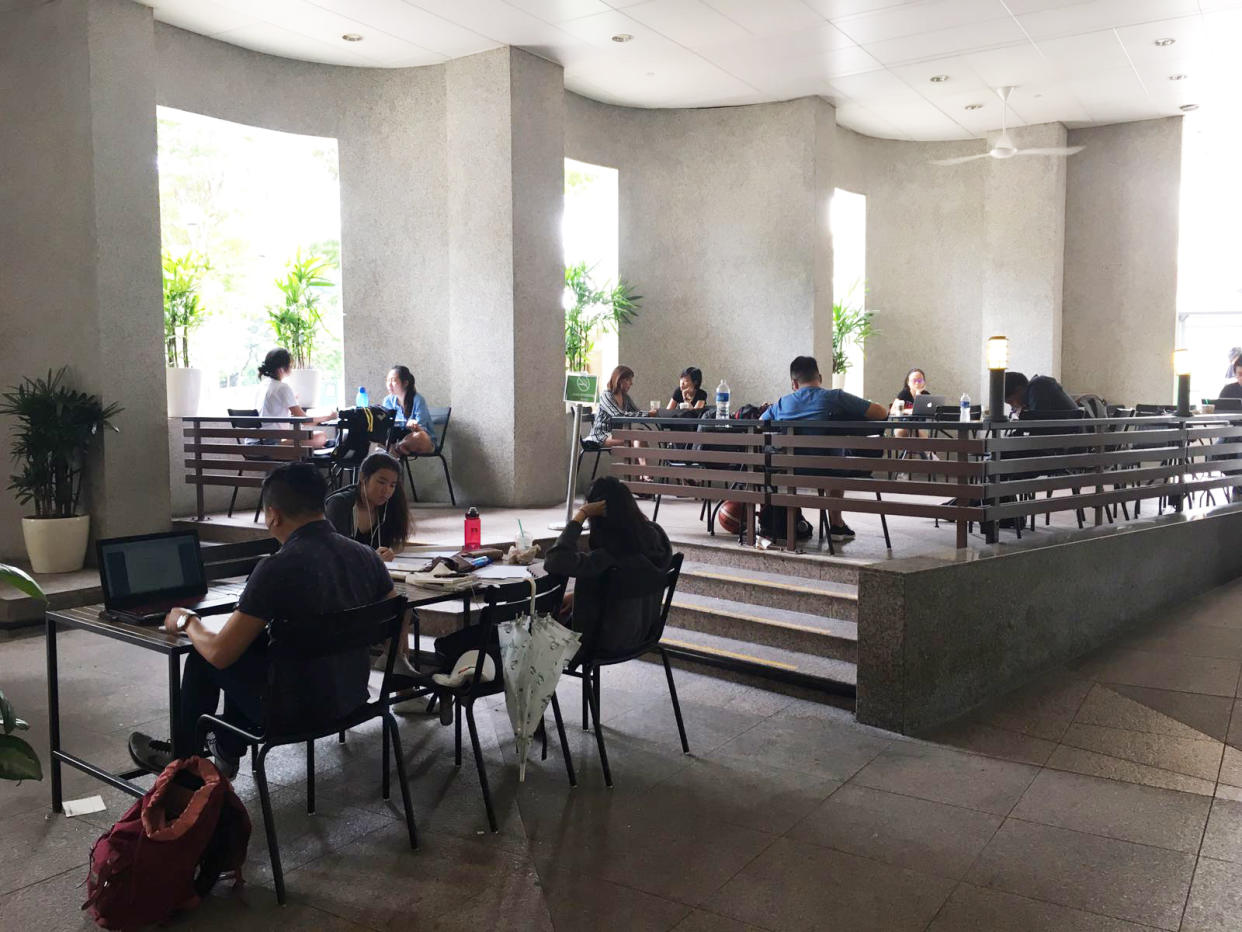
x=221 y=561
x=1076 y=414
x=585 y=446
x=502 y=603
x=587 y=665
x=291 y=713
x=440 y=424
x=241 y=425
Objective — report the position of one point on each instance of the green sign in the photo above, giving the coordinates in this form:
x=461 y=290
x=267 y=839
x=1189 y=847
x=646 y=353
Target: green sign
x=580 y=388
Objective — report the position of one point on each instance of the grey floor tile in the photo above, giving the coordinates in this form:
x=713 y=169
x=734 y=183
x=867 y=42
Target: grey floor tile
x=812 y=745
x=39 y=845
x=1076 y=760
x=253 y=908
x=1215 y=903
x=576 y=901
x=977 y=909
x=1208 y=715
x=943 y=775
x=899 y=830
x=1231 y=766
x=1223 y=838
x=1142 y=814
x=994 y=741
x=53 y=905
x=1208 y=675
x=1116 y=878
x=745 y=793
x=703 y=921
x=1156 y=711
x=1194 y=757
x=796 y=886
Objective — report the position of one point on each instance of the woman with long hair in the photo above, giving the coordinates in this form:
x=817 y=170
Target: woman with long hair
x=414 y=433
x=373 y=512
x=619 y=579
x=915 y=383
x=276 y=399
x=614 y=402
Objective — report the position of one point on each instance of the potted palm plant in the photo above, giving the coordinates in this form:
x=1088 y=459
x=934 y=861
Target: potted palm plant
x=295 y=322
x=594 y=310
x=56 y=426
x=851 y=326
x=183 y=313
x=18 y=760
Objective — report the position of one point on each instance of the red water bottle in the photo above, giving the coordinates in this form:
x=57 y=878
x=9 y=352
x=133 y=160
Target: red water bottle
x=474 y=530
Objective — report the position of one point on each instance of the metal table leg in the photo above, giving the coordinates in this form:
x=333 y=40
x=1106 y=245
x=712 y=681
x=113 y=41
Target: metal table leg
x=53 y=714
x=174 y=703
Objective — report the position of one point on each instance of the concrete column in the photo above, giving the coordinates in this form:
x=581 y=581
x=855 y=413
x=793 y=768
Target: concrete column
x=79 y=254
x=1024 y=239
x=505 y=117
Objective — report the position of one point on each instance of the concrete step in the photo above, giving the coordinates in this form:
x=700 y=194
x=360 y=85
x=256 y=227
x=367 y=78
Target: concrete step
x=728 y=553
x=744 y=622
x=761 y=663
x=775 y=590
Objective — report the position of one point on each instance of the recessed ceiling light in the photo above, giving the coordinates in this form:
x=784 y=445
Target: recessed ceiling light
x=1186 y=108
x=1177 y=77
x=974 y=106
x=938 y=78
x=622 y=37
x=352 y=37
x=1164 y=42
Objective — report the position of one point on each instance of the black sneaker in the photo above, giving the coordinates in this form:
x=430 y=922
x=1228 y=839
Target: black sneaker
x=150 y=753
x=840 y=533
x=226 y=763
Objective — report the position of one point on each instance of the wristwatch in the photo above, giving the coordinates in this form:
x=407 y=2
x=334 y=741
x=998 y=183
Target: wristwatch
x=185 y=620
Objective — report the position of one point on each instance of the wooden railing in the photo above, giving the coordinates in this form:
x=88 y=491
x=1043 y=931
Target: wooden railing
x=957 y=472
x=220 y=454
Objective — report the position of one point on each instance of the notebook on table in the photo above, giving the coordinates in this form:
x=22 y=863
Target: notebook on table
x=145 y=576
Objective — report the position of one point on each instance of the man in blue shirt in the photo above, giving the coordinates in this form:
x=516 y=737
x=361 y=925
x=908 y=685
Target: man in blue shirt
x=810 y=401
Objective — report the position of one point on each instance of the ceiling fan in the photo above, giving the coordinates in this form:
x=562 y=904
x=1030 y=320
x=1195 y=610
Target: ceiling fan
x=1004 y=147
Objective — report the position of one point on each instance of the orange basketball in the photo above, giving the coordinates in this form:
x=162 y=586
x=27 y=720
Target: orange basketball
x=731 y=516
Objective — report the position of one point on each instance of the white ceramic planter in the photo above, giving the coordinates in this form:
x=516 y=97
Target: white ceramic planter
x=56 y=545
x=305 y=385
x=184 y=387
x=838 y=379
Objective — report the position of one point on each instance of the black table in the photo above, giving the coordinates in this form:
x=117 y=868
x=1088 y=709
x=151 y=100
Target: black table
x=152 y=638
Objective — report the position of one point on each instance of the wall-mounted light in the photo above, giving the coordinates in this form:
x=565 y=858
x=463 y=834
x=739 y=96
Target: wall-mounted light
x=938 y=78
x=1181 y=368
x=1187 y=108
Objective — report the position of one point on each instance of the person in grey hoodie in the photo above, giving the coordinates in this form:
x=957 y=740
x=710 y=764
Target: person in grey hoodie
x=619 y=578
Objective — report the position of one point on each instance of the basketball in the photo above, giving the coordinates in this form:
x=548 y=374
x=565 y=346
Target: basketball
x=731 y=516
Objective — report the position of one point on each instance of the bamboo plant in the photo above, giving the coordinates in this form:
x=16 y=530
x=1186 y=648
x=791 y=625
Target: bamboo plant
x=295 y=322
x=183 y=310
x=594 y=310
x=852 y=324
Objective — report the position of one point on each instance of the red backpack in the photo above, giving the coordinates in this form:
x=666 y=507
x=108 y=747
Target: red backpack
x=168 y=850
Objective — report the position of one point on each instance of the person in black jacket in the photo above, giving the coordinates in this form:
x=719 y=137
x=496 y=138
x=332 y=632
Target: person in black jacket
x=627 y=555
x=1041 y=394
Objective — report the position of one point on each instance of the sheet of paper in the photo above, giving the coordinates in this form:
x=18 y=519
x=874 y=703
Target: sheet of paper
x=501 y=571
x=87 y=804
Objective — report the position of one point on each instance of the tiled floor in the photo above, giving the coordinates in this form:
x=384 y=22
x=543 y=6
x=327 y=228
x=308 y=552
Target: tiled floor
x=1105 y=796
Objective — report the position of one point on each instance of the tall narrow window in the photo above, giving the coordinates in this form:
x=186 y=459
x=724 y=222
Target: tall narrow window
x=590 y=233
x=847 y=220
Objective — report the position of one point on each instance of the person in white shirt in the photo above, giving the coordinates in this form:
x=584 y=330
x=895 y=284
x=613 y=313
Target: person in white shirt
x=276 y=399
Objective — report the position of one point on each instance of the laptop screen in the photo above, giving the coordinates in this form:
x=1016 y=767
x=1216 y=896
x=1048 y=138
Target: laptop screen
x=133 y=570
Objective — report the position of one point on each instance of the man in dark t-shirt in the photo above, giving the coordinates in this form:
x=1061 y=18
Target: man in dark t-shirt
x=1039 y=395
x=316 y=571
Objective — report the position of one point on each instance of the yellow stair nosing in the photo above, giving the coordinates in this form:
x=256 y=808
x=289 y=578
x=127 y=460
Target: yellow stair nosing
x=727 y=653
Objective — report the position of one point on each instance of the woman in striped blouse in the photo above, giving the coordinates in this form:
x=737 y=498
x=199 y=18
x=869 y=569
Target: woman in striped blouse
x=615 y=402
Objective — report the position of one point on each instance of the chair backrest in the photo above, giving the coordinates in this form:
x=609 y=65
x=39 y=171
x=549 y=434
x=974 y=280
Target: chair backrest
x=242 y=425
x=300 y=699
x=1149 y=410
x=954 y=412
x=512 y=600
x=236 y=559
x=671 y=575
x=440 y=422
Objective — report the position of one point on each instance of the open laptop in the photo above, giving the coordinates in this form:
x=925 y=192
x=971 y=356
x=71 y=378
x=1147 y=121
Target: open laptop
x=1228 y=404
x=926 y=405
x=145 y=576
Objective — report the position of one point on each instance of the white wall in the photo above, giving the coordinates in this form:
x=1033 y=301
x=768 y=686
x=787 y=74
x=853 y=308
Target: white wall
x=1121 y=260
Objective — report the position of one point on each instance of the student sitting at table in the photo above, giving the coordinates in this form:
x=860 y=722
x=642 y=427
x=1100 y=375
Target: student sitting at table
x=689 y=390
x=315 y=571
x=613 y=402
x=276 y=399
x=915 y=383
x=1233 y=389
x=810 y=401
x=413 y=432
x=1040 y=394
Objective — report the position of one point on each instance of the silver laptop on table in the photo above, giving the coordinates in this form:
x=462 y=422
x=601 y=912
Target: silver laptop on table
x=145 y=576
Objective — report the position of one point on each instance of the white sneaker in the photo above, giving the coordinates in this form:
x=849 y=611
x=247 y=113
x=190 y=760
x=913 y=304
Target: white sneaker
x=463 y=670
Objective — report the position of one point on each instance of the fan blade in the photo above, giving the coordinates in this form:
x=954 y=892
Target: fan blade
x=959 y=159
x=1070 y=150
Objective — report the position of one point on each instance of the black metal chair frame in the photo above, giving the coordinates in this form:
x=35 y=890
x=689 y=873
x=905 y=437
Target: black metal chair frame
x=440 y=421
x=243 y=412
x=317 y=637
x=502 y=603
x=598 y=451
x=587 y=669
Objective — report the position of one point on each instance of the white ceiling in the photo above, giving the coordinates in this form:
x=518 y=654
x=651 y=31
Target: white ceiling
x=1080 y=62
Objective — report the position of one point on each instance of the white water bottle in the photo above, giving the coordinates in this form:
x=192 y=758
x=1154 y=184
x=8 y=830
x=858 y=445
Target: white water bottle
x=965 y=415
x=722 y=399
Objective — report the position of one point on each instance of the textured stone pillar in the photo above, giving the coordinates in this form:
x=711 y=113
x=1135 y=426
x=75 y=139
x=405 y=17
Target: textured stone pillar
x=505 y=117
x=79 y=253
x=1024 y=237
